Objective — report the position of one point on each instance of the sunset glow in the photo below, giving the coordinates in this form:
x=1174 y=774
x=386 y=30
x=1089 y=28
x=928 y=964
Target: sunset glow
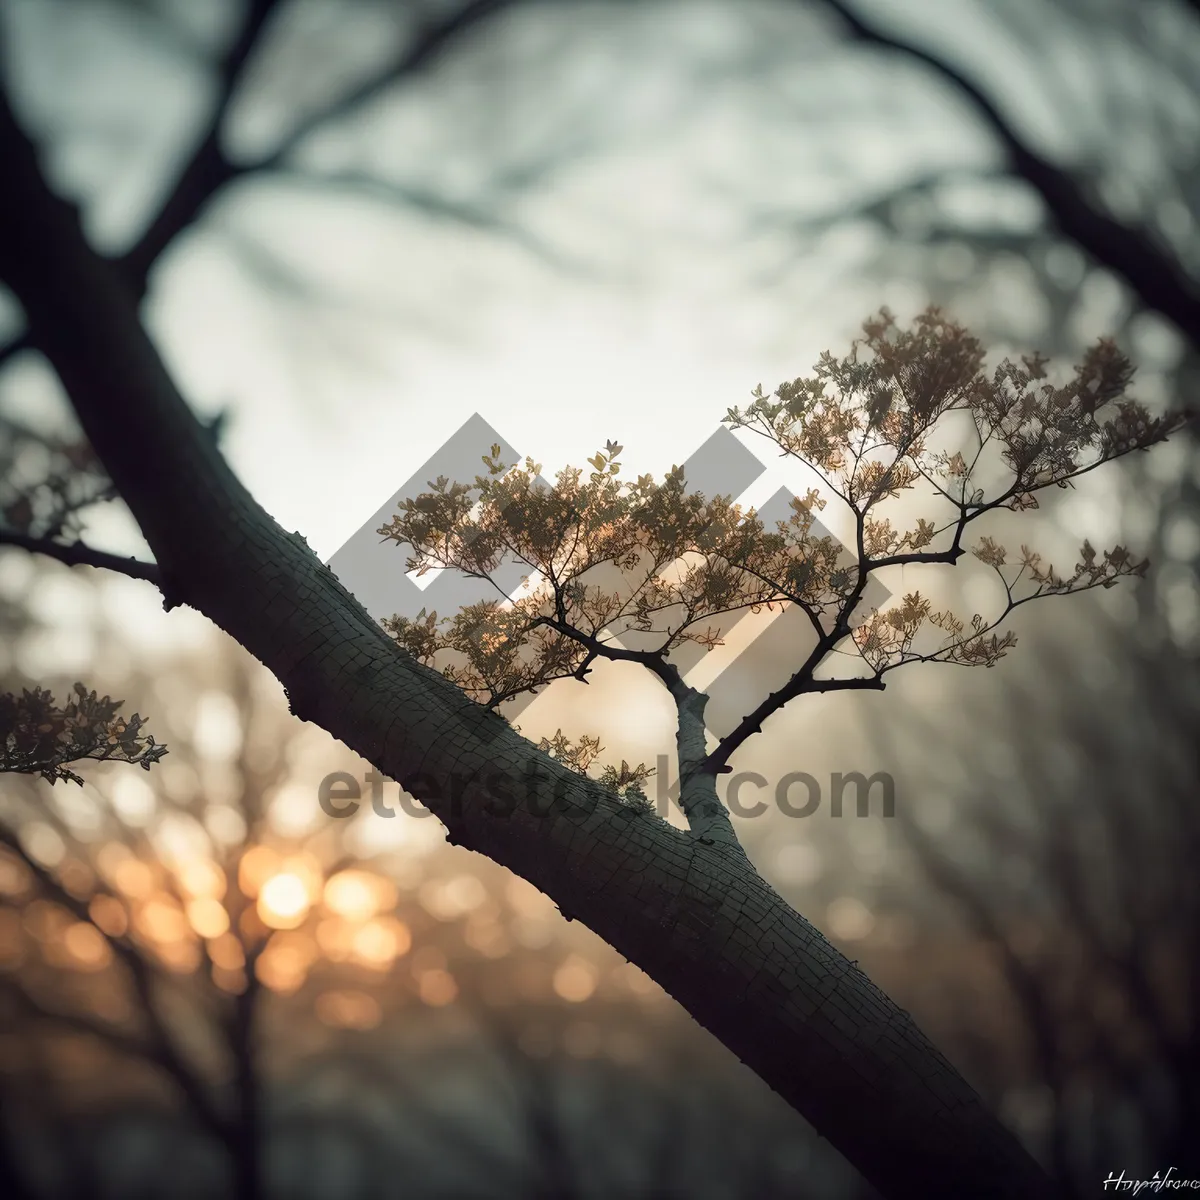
x=283 y=901
x=354 y=895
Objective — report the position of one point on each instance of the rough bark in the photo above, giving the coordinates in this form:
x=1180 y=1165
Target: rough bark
x=707 y=817
x=693 y=914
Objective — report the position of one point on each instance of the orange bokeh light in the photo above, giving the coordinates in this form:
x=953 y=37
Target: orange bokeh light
x=257 y=866
x=283 y=901
x=575 y=980
x=227 y=953
x=134 y=878
x=109 y=914
x=380 y=942
x=358 y=895
x=87 y=947
x=202 y=878
x=437 y=988
x=161 y=921
x=283 y=965
x=208 y=917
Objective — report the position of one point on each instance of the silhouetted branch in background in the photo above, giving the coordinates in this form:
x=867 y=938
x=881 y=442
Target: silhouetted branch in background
x=1156 y=277
x=1098 y=951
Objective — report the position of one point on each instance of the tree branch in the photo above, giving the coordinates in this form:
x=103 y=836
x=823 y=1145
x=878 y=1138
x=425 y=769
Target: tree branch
x=115 y=1038
x=208 y=170
x=802 y=680
x=801 y=683
x=706 y=816
x=161 y=1047
x=431 y=41
x=652 y=660
x=78 y=555
x=420 y=199
x=696 y=916
x=1157 y=279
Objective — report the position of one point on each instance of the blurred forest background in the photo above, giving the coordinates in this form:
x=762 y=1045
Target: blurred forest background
x=356 y=222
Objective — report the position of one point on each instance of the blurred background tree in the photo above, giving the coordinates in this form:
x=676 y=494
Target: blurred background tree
x=209 y=988
x=587 y=220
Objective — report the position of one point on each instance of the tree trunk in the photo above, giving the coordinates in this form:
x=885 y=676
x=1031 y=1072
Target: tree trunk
x=247 y=1146
x=694 y=915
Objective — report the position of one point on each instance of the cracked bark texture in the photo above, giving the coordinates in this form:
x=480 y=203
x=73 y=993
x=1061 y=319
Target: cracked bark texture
x=692 y=913
x=707 y=817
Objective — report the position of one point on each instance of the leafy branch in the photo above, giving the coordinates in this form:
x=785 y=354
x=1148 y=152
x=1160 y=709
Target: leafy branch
x=633 y=569
x=37 y=737
x=624 y=781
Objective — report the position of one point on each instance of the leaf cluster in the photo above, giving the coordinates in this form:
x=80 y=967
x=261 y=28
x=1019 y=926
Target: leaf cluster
x=608 y=560
x=864 y=421
x=37 y=737
x=625 y=781
x=867 y=425
x=634 y=568
x=46 y=482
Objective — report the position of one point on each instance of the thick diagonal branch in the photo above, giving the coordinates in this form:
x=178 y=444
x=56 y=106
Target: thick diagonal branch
x=695 y=916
